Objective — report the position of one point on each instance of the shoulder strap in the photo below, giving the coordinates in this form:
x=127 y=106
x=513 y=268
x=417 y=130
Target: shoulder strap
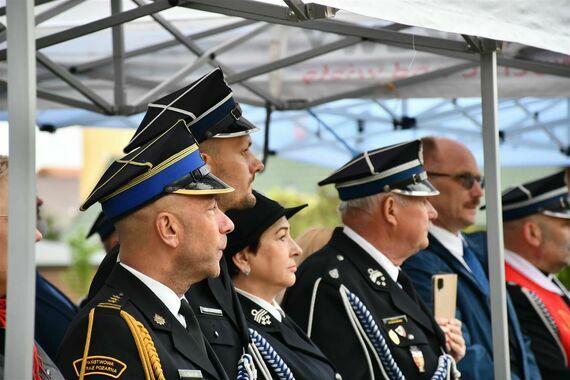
x=143 y=341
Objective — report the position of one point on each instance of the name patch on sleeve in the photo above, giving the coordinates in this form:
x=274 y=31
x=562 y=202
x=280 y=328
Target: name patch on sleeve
x=100 y=365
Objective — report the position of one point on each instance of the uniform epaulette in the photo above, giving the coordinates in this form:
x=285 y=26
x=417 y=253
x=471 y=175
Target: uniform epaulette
x=114 y=301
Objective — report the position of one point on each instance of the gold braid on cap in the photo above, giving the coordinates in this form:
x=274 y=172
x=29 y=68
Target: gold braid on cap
x=147 y=351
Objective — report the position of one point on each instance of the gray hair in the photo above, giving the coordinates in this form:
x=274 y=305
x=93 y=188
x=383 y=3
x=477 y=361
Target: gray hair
x=369 y=203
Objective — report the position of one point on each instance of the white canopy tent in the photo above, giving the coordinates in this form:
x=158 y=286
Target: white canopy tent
x=529 y=23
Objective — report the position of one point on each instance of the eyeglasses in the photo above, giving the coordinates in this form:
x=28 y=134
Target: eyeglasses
x=465 y=179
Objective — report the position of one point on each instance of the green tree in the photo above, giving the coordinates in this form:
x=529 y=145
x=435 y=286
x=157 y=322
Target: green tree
x=322 y=210
x=79 y=273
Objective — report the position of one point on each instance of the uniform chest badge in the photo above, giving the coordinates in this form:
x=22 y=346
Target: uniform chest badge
x=334 y=273
x=394 y=337
x=376 y=277
x=401 y=331
x=159 y=320
x=261 y=316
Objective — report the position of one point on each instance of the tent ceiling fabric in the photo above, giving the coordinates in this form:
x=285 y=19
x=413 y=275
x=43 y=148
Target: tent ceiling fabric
x=289 y=64
x=529 y=22
x=105 y=77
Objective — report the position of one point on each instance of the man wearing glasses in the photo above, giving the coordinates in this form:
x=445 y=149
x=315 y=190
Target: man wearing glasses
x=453 y=171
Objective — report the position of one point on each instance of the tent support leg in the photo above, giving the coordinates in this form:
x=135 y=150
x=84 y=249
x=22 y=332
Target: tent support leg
x=118 y=57
x=21 y=190
x=494 y=215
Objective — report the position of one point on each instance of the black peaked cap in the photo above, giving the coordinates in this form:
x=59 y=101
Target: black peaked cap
x=547 y=195
x=251 y=223
x=102 y=226
x=206 y=107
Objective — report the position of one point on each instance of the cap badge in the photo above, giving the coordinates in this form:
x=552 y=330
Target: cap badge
x=261 y=316
x=376 y=277
x=159 y=320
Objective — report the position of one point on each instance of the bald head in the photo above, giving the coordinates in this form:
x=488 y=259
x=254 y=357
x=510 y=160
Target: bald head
x=442 y=154
x=542 y=240
x=446 y=161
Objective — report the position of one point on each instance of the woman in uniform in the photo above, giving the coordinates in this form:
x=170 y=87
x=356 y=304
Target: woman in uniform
x=261 y=258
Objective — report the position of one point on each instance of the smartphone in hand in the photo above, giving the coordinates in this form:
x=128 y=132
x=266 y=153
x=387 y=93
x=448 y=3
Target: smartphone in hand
x=444 y=293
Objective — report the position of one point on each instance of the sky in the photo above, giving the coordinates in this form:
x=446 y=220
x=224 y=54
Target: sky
x=63 y=149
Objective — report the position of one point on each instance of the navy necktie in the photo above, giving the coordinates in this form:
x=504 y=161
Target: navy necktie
x=192 y=325
x=477 y=270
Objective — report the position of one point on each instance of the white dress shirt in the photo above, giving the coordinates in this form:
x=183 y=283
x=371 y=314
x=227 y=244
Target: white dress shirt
x=452 y=242
x=163 y=292
x=273 y=308
x=378 y=256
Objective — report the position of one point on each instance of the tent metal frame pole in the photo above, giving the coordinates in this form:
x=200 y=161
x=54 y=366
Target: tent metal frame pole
x=293 y=59
x=49 y=14
x=206 y=57
x=118 y=41
x=97 y=25
x=521 y=130
x=59 y=99
x=88 y=66
x=198 y=51
x=567 y=123
x=494 y=214
x=73 y=82
x=395 y=84
x=22 y=191
x=283 y=15
x=280 y=15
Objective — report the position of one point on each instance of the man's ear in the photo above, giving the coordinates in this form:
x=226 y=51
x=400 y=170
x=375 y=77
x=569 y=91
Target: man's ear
x=532 y=233
x=168 y=229
x=389 y=209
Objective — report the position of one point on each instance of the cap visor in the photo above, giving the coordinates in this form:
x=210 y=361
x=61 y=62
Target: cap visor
x=422 y=188
x=561 y=214
x=205 y=185
x=289 y=212
x=240 y=127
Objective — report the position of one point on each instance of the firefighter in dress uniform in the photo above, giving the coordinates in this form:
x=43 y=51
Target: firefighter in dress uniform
x=261 y=259
x=161 y=199
x=536 y=224
x=352 y=298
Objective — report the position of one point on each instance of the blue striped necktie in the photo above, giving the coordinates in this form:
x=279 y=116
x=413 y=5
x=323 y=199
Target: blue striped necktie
x=477 y=270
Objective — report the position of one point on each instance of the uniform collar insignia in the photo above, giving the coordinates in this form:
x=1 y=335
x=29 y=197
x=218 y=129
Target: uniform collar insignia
x=261 y=316
x=159 y=320
x=377 y=277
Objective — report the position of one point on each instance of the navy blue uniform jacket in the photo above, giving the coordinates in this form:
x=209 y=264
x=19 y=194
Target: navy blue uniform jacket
x=316 y=293
x=303 y=358
x=54 y=313
x=109 y=338
x=473 y=308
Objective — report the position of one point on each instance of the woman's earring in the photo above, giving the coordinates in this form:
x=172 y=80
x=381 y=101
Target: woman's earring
x=247 y=272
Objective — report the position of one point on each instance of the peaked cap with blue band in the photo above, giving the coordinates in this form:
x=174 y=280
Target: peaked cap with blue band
x=396 y=168
x=171 y=163
x=547 y=195
x=206 y=107
x=101 y=226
